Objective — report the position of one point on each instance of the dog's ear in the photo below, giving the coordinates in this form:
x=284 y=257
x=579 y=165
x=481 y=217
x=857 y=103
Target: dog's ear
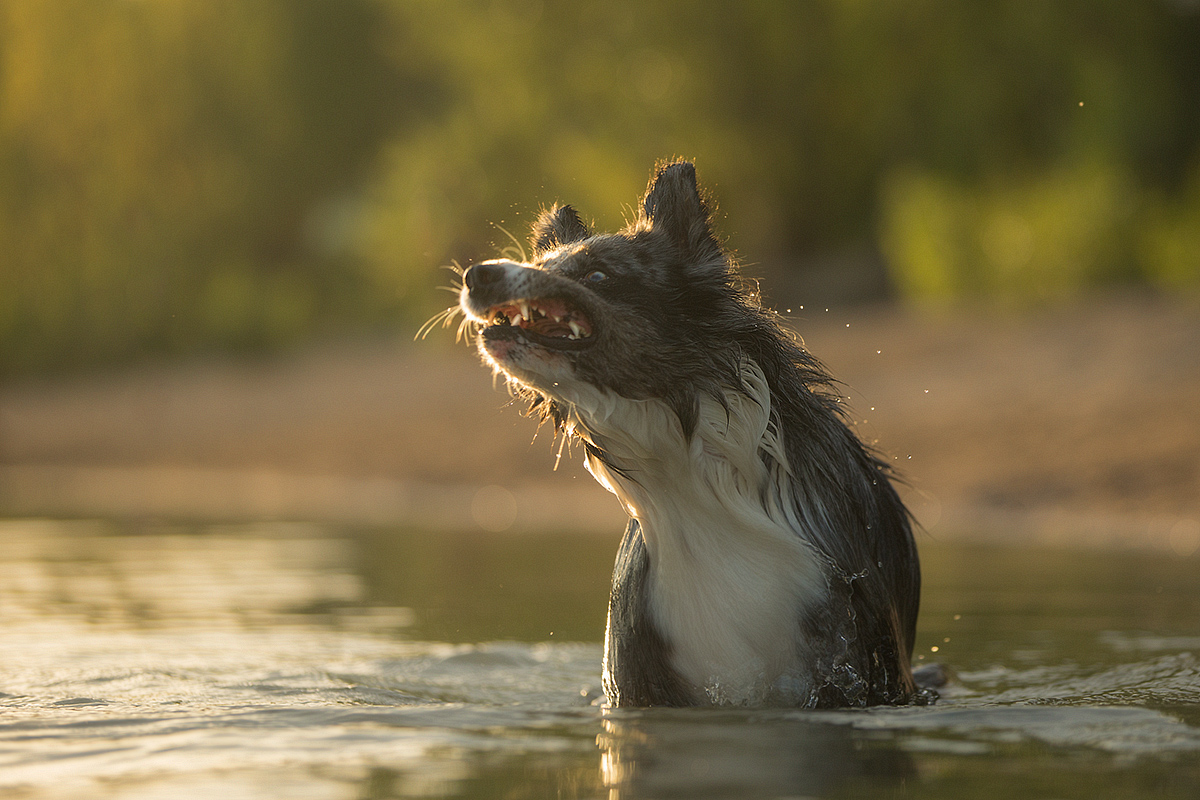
x=555 y=227
x=674 y=205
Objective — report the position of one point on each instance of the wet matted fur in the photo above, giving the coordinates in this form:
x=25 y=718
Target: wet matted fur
x=768 y=558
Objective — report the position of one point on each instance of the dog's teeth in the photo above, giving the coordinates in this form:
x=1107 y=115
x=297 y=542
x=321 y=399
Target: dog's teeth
x=524 y=306
x=575 y=329
x=517 y=318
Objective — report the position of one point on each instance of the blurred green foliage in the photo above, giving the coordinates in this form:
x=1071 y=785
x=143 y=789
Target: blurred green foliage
x=164 y=169
x=210 y=173
x=1035 y=238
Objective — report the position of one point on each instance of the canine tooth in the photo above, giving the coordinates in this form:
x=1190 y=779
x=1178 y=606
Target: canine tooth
x=575 y=329
x=516 y=319
x=524 y=306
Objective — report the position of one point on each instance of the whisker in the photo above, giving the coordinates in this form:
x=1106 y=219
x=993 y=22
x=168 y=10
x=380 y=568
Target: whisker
x=444 y=317
x=562 y=441
x=507 y=251
x=429 y=324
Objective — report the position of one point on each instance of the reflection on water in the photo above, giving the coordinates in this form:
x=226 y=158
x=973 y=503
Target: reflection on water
x=306 y=661
x=91 y=573
x=692 y=753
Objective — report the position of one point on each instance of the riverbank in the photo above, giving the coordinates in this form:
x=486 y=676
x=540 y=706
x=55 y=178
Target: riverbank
x=1077 y=427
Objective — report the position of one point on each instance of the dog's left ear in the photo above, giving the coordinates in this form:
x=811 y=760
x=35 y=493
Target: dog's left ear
x=555 y=227
x=674 y=205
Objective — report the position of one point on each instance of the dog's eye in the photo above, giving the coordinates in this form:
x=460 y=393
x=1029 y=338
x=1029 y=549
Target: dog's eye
x=595 y=276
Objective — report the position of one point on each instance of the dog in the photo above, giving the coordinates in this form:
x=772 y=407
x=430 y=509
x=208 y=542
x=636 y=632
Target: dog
x=768 y=560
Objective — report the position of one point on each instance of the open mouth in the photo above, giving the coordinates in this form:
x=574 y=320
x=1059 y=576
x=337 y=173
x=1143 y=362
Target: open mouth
x=549 y=322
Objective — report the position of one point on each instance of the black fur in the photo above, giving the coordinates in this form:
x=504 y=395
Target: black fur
x=638 y=669
x=555 y=227
x=671 y=322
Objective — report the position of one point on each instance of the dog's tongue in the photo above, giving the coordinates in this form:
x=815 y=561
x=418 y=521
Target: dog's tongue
x=552 y=307
x=555 y=318
x=546 y=326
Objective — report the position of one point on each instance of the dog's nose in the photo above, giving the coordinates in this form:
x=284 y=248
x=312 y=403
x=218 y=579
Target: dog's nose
x=482 y=275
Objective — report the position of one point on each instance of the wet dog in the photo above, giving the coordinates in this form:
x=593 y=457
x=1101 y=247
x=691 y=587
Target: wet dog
x=768 y=559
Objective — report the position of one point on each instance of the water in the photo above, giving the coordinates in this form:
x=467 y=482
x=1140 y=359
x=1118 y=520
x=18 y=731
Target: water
x=287 y=661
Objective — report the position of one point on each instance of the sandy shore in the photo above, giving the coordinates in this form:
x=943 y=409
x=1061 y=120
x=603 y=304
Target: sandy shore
x=1079 y=427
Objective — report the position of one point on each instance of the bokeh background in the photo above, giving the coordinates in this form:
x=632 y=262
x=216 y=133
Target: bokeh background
x=221 y=223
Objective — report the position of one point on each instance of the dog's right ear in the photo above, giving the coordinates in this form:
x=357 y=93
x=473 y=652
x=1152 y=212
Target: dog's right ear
x=555 y=227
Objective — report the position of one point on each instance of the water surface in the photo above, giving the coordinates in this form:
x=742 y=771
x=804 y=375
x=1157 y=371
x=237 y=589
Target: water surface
x=299 y=661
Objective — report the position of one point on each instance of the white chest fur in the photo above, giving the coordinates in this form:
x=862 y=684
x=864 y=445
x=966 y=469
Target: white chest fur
x=729 y=575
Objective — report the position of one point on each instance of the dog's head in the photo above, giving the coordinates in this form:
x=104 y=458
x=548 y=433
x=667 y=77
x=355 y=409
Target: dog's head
x=643 y=313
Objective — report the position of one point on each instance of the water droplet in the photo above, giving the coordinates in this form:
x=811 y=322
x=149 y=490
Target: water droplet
x=494 y=508
x=1185 y=537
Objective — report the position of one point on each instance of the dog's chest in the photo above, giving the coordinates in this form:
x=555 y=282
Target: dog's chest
x=727 y=593
x=728 y=580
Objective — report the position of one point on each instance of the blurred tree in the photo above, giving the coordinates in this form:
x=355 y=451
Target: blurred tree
x=814 y=122
x=202 y=173
x=161 y=164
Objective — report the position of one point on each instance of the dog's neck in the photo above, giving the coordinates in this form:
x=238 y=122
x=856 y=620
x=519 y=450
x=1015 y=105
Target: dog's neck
x=729 y=571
